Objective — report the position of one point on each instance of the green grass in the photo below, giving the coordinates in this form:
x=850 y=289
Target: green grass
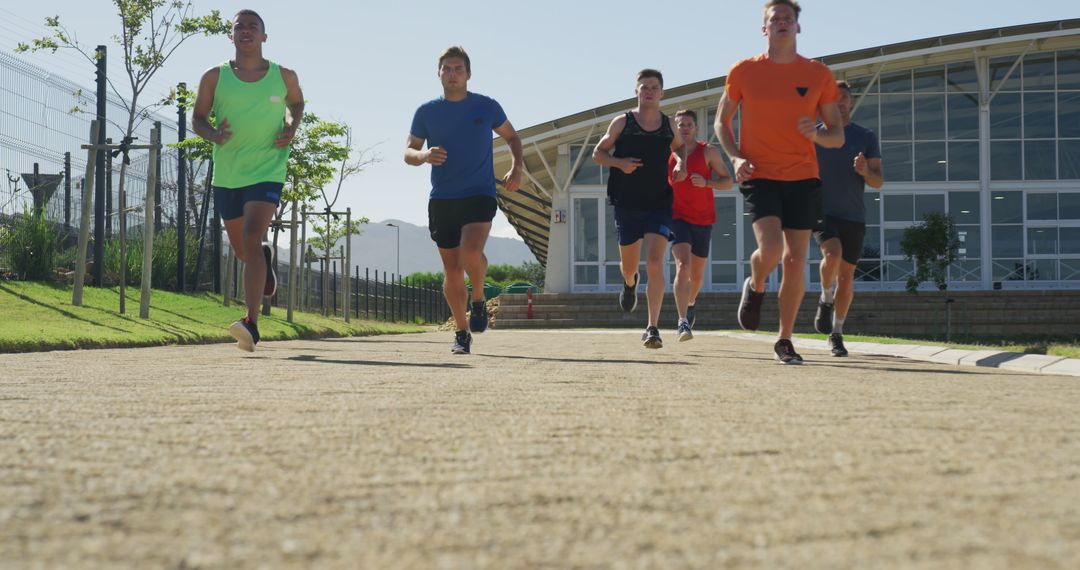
x=1054 y=346
x=38 y=316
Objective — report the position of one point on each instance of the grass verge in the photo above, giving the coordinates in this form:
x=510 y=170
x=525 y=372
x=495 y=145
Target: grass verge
x=38 y=316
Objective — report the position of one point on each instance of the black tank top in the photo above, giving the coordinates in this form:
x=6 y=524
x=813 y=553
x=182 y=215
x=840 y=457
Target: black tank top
x=647 y=188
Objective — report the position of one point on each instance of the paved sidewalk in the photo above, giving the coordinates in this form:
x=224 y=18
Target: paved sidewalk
x=541 y=449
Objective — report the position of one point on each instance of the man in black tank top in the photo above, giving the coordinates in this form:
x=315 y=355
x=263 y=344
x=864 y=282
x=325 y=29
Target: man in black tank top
x=635 y=150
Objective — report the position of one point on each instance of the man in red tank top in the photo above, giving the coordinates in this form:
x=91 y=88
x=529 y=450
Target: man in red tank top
x=693 y=215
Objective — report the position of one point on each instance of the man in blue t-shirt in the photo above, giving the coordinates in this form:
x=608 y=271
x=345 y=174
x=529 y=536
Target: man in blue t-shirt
x=457 y=129
x=845 y=172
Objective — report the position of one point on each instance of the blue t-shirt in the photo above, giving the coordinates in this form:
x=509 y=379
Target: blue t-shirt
x=463 y=128
x=841 y=186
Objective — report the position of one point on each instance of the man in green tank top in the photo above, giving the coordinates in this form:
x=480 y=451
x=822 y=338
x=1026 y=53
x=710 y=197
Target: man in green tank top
x=257 y=106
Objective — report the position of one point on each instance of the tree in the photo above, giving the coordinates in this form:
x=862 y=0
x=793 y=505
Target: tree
x=932 y=245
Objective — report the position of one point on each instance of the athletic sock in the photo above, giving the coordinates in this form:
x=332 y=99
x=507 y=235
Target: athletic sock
x=684 y=322
x=827 y=295
x=837 y=324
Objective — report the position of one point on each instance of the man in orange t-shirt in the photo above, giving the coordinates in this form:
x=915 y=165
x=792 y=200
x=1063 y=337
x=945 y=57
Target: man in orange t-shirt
x=780 y=93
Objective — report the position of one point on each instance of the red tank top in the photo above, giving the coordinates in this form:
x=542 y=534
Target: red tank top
x=693 y=204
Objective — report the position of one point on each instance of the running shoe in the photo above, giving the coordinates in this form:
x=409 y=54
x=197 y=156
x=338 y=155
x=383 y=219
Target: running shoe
x=685 y=333
x=271 y=273
x=246 y=334
x=462 y=342
x=628 y=296
x=785 y=352
x=652 y=338
x=750 y=307
x=836 y=345
x=823 y=318
x=478 y=317
x=691 y=314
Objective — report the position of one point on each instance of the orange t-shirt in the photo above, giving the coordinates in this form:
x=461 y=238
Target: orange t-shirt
x=774 y=97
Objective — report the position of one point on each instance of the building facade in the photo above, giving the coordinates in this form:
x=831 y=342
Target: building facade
x=983 y=126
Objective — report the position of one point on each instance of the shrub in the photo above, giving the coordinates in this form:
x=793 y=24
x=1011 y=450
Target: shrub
x=31 y=246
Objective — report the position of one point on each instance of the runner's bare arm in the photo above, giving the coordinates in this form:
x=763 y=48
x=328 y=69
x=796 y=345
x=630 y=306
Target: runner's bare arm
x=602 y=153
x=722 y=179
x=870 y=169
x=680 y=149
x=294 y=107
x=204 y=104
x=512 y=180
x=415 y=154
x=725 y=111
x=832 y=136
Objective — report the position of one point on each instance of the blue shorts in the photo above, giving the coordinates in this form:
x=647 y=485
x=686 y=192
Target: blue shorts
x=697 y=236
x=632 y=225
x=229 y=202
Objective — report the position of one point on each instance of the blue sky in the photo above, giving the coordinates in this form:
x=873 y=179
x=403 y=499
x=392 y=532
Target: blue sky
x=370 y=64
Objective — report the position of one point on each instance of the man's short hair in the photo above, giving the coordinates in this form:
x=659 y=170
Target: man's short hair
x=458 y=52
x=644 y=73
x=841 y=84
x=793 y=4
x=249 y=12
x=686 y=113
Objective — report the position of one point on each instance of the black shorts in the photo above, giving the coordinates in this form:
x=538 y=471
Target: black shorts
x=850 y=233
x=229 y=202
x=632 y=225
x=797 y=203
x=696 y=235
x=446 y=217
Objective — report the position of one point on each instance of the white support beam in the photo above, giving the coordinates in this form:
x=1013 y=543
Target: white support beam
x=577 y=163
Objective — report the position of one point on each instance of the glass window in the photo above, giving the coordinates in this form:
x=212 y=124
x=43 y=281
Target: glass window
x=892 y=242
x=930 y=161
x=867 y=114
x=896 y=161
x=1069 y=205
x=1008 y=241
x=613 y=276
x=1005 y=116
x=1005 y=160
x=1069 y=159
x=963 y=117
x=896 y=117
x=962 y=78
x=872 y=202
x=868 y=271
x=899 y=207
x=896 y=82
x=749 y=241
x=930 y=79
x=964 y=207
x=1042 y=270
x=963 y=161
x=586 y=231
x=589 y=172
x=1068 y=114
x=872 y=243
x=898 y=271
x=1042 y=206
x=1039 y=163
x=859 y=84
x=999 y=66
x=1039 y=71
x=587 y=274
x=611 y=241
x=930 y=117
x=1039 y=116
x=1068 y=69
x=1008 y=270
x=1042 y=241
x=1069 y=243
x=1070 y=269
x=723 y=233
x=927 y=204
x=724 y=273
x=1005 y=208
x=970 y=242
x=965 y=270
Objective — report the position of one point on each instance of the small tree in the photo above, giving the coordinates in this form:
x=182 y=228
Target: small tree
x=932 y=245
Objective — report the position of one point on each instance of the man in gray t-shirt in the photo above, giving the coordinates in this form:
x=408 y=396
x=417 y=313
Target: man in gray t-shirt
x=845 y=172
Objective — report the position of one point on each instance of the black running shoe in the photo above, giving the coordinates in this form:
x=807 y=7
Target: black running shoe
x=628 y=296
x=271 y=273
x=685 y=333
x=246 y=334
x=462 y=342
x=836 y=344
x=785 y=352
x=750 y=307
x=691 y=314
x=652 y=338
x=823 y=318
x=478 y=317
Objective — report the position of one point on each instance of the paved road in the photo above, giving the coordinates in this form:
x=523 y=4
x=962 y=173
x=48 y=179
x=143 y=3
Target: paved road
x=540 y=450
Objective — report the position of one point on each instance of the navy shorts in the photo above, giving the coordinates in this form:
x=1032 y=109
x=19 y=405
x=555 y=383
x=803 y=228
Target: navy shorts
x=229 y=202
x=850 y=234
x=697 y=236
x=446 y=217
x=797 y=203
x=632 y=225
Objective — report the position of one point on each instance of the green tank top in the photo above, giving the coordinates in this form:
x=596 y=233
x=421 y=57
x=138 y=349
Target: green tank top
x=256 y=113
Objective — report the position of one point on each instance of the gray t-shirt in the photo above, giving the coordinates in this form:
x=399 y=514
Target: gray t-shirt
x=841 y=186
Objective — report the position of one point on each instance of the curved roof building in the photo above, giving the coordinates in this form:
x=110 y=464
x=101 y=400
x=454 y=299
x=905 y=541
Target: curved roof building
x=984 y=126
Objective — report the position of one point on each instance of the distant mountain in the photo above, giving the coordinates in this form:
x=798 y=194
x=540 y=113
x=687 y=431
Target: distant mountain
x=376 y=248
